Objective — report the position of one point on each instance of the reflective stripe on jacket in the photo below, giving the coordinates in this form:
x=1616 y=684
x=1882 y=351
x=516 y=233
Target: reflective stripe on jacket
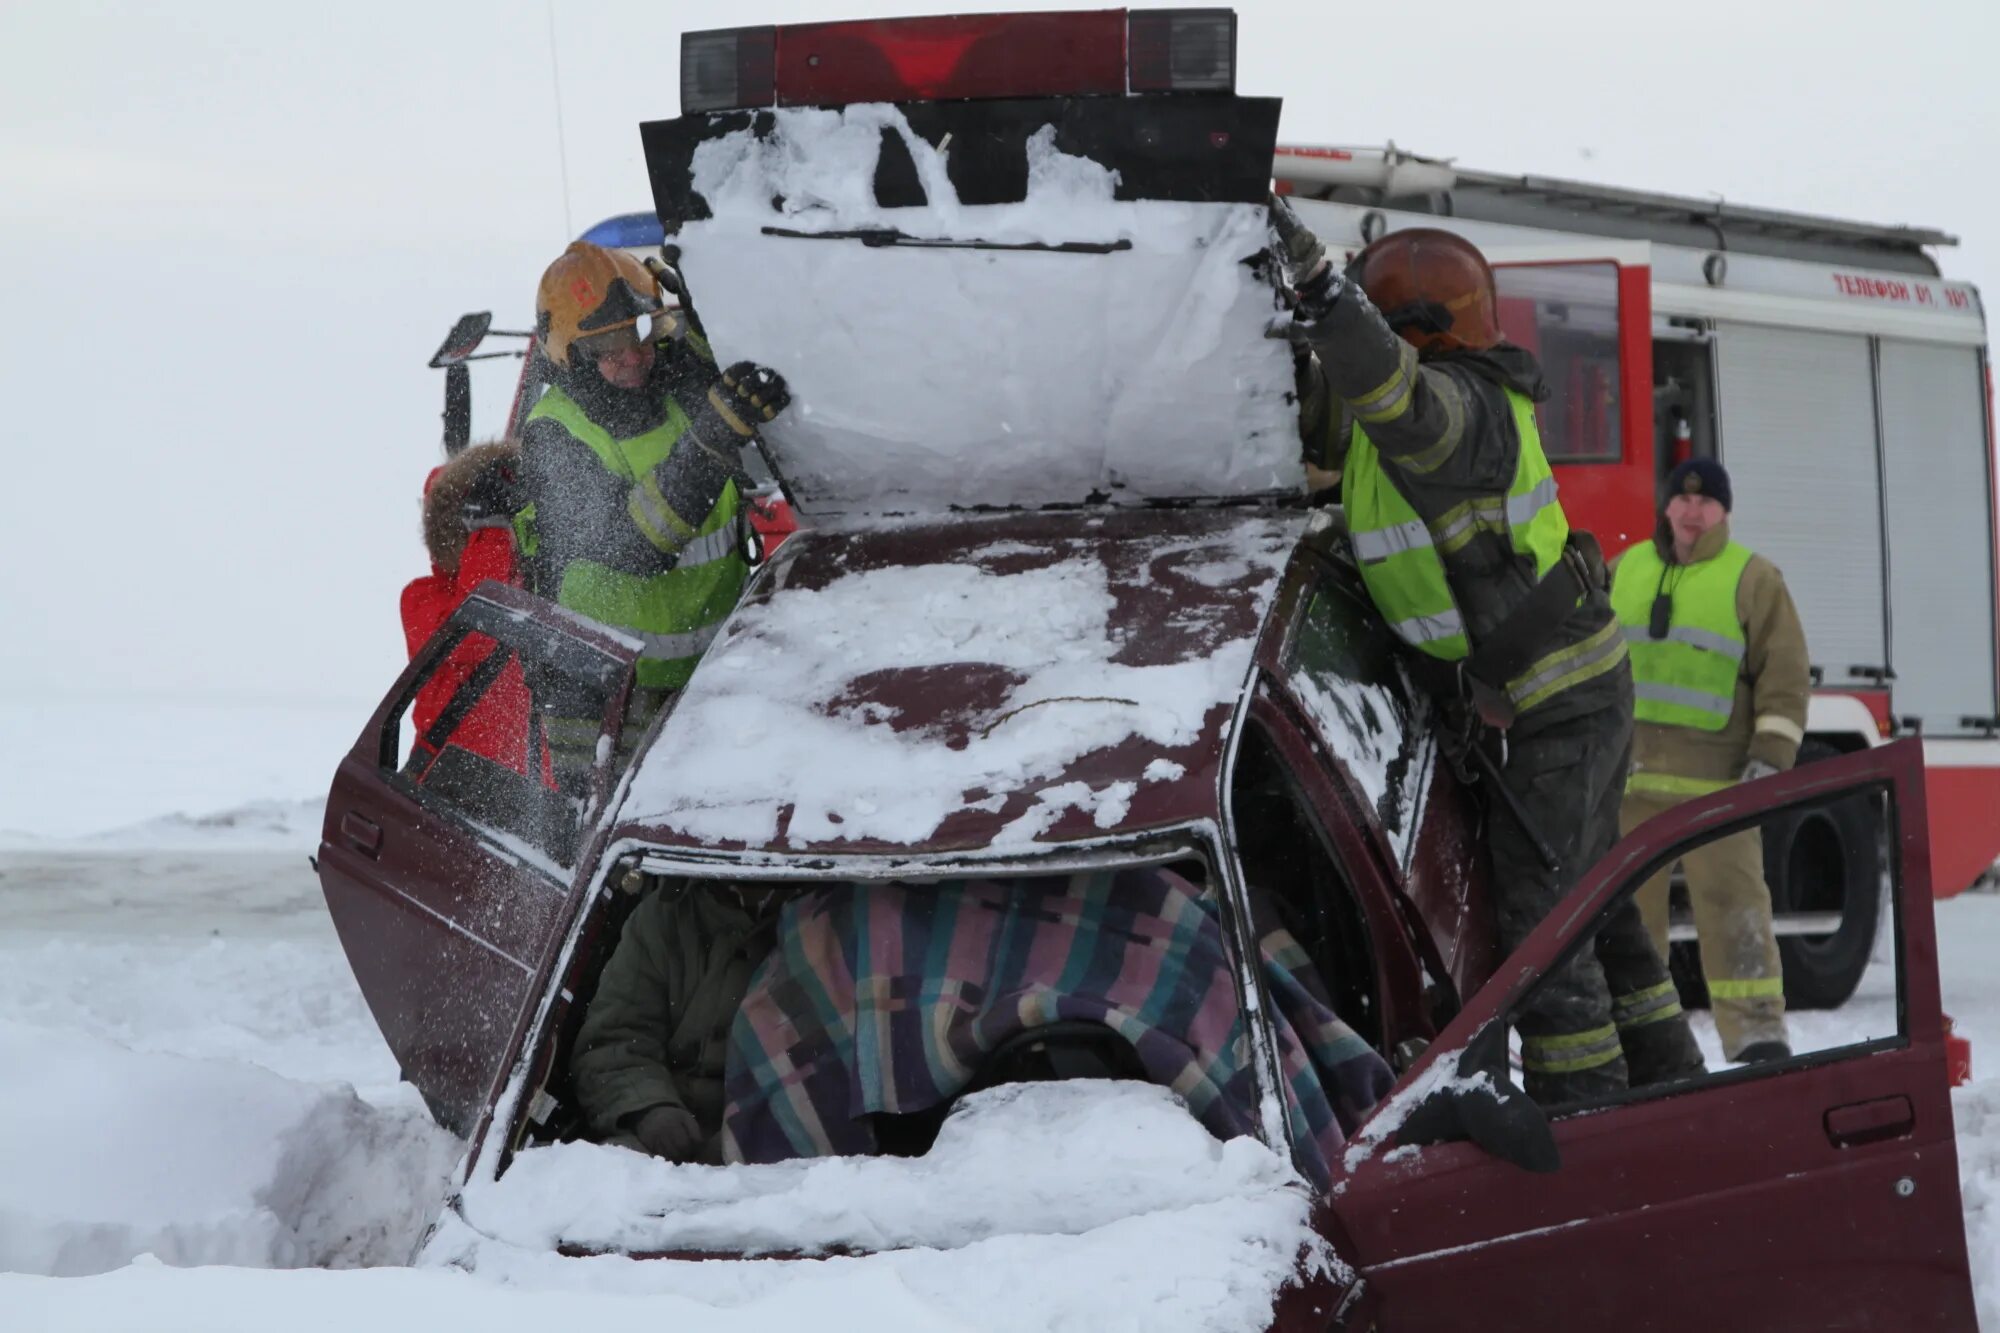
x=1401 y=555
x=677 y=595
x=1688 y=678
x=1767 y=694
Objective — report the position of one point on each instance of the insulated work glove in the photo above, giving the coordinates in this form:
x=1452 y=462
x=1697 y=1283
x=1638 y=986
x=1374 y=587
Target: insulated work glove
x=1319 y=284
x=674 y=501
x=1303 y=251
x=744 y=398
x=1758 y=768
x=670 y=1132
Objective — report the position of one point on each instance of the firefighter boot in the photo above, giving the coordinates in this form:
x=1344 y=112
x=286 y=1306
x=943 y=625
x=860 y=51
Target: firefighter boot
x=1645 y=1005
x=1662 y=1051
x=1551 y=1088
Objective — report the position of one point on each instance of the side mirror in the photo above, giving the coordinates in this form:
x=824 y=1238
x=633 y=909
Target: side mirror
x=1482 y=1105
x=457 y=409
x=463 y=340
x=458 y=347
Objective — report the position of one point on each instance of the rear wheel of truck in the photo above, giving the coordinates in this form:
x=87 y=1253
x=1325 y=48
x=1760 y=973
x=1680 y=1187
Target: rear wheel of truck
x=1827 y=859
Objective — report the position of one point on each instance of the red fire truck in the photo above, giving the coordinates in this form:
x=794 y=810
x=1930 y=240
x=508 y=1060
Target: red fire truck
x=1840 y=377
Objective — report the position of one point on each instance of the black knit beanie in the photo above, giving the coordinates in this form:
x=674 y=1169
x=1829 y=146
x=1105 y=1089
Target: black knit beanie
x=1699 y=476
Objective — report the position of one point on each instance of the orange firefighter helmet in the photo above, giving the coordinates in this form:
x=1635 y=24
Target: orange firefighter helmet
x=1433 y=287
x=590 y=290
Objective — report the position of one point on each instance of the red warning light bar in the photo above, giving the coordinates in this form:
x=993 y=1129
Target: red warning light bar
x=1107 y=52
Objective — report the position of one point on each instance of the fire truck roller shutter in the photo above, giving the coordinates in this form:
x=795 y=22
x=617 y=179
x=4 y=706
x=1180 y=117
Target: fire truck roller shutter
x=1798 y=437
x=1940 y=508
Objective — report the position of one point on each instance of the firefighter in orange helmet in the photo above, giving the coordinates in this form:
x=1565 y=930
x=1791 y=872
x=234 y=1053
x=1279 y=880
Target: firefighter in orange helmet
x=632 y=510
x=1412 y=395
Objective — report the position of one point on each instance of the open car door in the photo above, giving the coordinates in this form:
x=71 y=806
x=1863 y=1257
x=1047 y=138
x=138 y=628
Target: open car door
x=1815 y=1192
x=447 y=852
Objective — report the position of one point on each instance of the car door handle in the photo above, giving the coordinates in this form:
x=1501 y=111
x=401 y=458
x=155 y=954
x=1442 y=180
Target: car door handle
x=363 y=835
x=1870 y=1122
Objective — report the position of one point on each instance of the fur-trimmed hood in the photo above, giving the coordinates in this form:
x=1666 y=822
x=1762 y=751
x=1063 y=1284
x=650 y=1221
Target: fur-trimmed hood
x=473 y=490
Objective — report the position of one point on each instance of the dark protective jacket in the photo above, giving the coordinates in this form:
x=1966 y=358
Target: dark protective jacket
x=586 y=510
x=658 y=1029
x=1446 y=431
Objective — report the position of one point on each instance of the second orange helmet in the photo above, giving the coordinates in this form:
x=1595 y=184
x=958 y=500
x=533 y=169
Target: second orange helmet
x=1434 y=288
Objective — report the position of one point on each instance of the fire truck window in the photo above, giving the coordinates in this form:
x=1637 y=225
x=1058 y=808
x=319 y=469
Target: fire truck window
x=1567 y=315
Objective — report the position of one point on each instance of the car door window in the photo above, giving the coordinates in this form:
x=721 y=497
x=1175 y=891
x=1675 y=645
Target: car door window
x=1341 y=669
x=469 y=732
x=1817 y=1190
x=1758 y=918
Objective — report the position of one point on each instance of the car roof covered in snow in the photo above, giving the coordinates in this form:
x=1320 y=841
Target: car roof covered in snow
x=981 y=687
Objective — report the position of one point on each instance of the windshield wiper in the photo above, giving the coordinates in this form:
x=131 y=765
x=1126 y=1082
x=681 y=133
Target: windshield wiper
x=881 y=236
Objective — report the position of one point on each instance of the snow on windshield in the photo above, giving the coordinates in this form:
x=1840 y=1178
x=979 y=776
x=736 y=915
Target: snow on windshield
x=938 y=375
x=766 y=723
x=1075 y=1174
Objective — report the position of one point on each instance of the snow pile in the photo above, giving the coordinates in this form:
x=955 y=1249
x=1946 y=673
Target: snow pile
x=1123 y=1208
x=1975 y=1114
x=156 y=1299
x=118 y=1154
x=289 y=1006
x=1125 y=1214
x=938 y=375
x=755 y=730
x=1023 y=1159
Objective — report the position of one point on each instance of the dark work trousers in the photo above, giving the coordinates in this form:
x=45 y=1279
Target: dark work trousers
x=1606 y=1016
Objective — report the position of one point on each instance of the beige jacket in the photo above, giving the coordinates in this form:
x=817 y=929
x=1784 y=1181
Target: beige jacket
x=1769 y=718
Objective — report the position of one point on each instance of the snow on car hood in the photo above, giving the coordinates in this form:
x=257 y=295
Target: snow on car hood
x=982 y=685
x=938 y=375
x=1114 y=1180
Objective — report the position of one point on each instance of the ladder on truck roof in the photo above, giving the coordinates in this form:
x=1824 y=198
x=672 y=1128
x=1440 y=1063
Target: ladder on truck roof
x=1421 y=184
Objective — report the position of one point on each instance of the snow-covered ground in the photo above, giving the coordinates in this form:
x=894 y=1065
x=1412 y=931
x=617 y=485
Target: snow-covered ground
x=210 y=1104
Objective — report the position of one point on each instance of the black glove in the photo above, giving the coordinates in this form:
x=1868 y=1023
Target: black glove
x=1303 y=251
x=490 y=501
x=1319 y=283
x=668 y=1131
x=710 y=454
x=750 y=392
x=1319 y=294
x=742 y=398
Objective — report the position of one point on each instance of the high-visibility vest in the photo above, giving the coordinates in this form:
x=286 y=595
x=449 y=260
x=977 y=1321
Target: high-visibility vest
x=675 y=613
x=1687 y=679
x=1402 y=556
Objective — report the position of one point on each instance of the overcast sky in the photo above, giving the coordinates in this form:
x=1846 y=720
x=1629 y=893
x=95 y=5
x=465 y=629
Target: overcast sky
x=235 y=231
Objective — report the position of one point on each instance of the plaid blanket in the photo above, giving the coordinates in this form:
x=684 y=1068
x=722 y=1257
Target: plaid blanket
x=887 y=998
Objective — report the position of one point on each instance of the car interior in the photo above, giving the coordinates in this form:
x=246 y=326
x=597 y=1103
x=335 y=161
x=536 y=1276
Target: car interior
x=1295 y=883
x=1057 y=1050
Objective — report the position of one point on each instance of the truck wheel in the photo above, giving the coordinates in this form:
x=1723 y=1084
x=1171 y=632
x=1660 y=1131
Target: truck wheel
x=1827 y=859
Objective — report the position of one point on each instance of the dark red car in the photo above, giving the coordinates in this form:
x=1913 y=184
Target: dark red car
x=1150 y=656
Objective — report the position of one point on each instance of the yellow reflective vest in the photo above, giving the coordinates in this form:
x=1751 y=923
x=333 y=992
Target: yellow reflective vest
x=675 y=613
x=1687 y=678
x=1401 y=555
